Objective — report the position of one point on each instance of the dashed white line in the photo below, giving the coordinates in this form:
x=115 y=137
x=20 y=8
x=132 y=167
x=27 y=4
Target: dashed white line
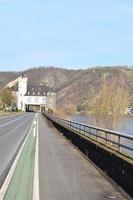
x=10 y=122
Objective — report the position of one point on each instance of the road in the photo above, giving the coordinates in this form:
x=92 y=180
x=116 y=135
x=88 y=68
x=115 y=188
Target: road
x=65 y=174
x=13 y=130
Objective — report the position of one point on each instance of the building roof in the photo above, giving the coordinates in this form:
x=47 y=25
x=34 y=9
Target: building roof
x=38 y=90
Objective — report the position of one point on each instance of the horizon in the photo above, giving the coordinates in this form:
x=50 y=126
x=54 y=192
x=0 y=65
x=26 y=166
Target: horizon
x=86 y=33
x=65 y=68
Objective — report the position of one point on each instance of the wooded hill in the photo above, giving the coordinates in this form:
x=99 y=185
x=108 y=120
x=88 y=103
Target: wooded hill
x=74 y=86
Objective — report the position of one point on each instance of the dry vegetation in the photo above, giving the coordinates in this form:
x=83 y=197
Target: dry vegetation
x=109 y=105
x=65 y=111
x=6 y=98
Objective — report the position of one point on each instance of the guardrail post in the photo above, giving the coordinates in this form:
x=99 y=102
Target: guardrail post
x=106 y=138
x=84 y=130
x=97 y=135
x=70 y=124
x=90 y=132
x=119 y=140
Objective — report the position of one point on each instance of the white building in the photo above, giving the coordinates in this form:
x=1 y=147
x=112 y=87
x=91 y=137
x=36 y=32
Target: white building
x=30 y=97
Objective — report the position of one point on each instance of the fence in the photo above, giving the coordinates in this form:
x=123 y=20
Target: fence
x=119 y=142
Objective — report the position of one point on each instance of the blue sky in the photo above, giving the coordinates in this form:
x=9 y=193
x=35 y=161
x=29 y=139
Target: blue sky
x=72 y=34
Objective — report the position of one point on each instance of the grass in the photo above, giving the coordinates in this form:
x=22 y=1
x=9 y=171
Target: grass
x=130 y=73
x=3 y=113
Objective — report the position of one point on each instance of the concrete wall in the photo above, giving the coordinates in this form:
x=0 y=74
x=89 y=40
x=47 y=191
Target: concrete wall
x=120 y=170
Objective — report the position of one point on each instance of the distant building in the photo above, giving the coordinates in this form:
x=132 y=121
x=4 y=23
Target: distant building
x=32 y=97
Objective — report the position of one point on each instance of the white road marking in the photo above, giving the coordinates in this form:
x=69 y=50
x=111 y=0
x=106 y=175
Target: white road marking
x=11 y=130
x=36 y=167
x=6 y=117
x=10 y=122
x=34 y=128
x=9 y=116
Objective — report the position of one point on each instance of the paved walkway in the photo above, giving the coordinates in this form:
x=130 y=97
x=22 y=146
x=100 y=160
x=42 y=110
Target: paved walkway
x=65 y=173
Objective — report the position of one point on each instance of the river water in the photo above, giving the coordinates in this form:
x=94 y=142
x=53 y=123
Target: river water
x=125 y=125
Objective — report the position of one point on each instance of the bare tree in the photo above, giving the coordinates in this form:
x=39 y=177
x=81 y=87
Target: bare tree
x=110 y=104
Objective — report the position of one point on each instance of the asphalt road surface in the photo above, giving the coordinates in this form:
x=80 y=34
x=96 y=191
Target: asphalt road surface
x=65 y=174
x=13 y=130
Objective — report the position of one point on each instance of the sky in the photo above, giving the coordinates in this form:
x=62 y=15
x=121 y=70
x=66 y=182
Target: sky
x=65 y=33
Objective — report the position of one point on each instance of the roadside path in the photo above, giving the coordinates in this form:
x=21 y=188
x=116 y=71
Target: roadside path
x=64 y=173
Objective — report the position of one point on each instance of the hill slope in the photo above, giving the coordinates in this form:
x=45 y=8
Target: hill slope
x=6 y=77
x=74 y=86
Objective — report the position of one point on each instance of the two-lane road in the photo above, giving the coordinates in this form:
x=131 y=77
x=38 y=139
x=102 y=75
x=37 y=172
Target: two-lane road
x=13 y=130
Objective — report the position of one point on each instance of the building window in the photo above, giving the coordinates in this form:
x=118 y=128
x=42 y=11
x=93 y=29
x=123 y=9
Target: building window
x=44 y=93
x=33 y=93
x=28 y=93
x=38 y=93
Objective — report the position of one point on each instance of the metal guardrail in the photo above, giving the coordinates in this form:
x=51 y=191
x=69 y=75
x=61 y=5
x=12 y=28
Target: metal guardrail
x=119 y=142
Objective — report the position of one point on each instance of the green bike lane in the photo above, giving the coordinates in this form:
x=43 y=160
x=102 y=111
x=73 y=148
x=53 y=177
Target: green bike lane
x=22 y=181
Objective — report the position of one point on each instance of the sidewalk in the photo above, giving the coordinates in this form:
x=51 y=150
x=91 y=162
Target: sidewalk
x=64 y=173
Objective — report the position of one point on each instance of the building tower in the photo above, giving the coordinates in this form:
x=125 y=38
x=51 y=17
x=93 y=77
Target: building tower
x=22 y=89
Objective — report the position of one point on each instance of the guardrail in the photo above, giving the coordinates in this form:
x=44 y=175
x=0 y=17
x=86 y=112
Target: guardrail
x=119 y=142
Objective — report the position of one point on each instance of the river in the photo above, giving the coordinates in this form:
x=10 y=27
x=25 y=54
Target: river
x=125 y=125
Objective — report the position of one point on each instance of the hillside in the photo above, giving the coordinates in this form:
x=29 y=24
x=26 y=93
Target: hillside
x=74 y=86
x=6 y=77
